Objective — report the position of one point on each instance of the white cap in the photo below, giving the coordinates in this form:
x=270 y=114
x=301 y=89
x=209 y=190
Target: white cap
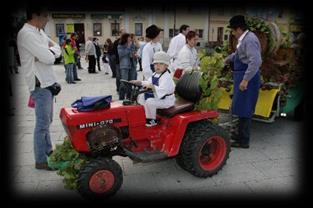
x=161 y=57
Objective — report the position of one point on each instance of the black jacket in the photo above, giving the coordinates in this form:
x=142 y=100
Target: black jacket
x=115 y=44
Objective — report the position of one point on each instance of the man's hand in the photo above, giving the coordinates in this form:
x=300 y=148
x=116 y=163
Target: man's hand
x=135 y=82
x=243 y=85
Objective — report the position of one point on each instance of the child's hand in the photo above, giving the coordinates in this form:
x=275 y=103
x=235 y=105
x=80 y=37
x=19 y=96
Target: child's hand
x=147 y=85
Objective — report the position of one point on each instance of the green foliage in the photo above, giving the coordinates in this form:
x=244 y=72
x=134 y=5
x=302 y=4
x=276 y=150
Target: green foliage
x=211 y=67
x=68 y=162
x=286 y=40
x=258 y=24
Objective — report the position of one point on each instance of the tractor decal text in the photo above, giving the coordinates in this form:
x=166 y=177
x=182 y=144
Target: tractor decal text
x=98 y=123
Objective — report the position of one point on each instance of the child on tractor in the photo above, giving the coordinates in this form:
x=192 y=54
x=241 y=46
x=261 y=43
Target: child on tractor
x=162 y=86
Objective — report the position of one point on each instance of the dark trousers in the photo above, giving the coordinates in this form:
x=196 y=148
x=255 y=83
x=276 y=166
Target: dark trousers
x=77 y=61
x=244 y=130
x=98 y=63
x=126 y=74
x=92 y=64
x=112 y=64
x=140 y=64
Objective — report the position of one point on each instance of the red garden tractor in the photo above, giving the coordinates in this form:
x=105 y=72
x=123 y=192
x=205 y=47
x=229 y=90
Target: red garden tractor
x=199 y=146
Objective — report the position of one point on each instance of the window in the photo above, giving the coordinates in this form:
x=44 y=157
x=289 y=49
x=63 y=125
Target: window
x=199 y=32
x=115 y=28
x=69 y=28
x=59 y=29
x=171 y=32
x=138 y=29
x=225 y=37
x=97 y=29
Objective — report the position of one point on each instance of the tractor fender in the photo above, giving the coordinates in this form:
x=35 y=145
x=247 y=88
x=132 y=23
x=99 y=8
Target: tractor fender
x=178 y=125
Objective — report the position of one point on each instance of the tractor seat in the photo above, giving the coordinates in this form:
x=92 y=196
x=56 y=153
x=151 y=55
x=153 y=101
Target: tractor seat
x=180 y=106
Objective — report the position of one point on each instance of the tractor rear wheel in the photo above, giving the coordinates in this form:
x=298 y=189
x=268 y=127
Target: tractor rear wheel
x=100 y=178
x=204 y=149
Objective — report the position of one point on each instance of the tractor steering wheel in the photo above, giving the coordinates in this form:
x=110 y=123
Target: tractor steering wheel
x=135 y=89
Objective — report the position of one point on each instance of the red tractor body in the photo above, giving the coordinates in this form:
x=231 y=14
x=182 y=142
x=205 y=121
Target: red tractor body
x=165 y=137
x=200 y=146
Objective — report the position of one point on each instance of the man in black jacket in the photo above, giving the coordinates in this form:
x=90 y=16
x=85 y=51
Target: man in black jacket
x=98 y=52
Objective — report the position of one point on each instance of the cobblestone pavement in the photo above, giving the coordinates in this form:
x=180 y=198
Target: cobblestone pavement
x=271 y=165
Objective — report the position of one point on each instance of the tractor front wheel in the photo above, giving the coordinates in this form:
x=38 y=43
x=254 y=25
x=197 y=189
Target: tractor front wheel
x=204 y=150
x=100 y=178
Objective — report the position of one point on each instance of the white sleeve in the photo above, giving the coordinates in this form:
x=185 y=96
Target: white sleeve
x=55 y=48
x=146 y=61
x=87 y=47
x=37 y=49
x=183 y=60
x=172 y=48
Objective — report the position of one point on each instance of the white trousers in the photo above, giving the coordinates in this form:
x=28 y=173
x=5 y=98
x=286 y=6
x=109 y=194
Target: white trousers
x=152 y=104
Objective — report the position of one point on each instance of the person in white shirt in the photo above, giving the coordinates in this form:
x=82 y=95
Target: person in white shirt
x=37 y=54
x=162 y=86
x=90 y=51
x=187 y=58
x=176 y=45
x=142 y=43
x=153 y=33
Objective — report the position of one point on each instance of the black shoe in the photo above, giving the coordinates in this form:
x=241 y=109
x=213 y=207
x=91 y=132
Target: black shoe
x=43 y=166
x=77 y=79
x=106 y=73
x=72 y=82
x=151 y=122
x=239 y=145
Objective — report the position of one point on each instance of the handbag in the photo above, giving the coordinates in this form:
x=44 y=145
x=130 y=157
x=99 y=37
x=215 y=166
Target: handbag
x=92 y=103
x=31 y=102
x=178 y=73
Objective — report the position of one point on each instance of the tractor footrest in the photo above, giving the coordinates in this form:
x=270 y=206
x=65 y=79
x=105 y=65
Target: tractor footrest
x=145 y=156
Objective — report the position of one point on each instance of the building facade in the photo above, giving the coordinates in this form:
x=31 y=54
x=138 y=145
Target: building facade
x=211 y=24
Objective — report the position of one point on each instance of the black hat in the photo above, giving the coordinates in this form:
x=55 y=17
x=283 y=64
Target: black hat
x=237 y=21
x=152 y=31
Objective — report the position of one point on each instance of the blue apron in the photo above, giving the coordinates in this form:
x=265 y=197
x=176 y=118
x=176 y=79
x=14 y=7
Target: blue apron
x=155 y=81
x=243 y=102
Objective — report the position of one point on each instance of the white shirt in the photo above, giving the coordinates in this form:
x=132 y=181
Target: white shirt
x=176 y=45
x=33 y=44
x=187 y=58
x=90 y=48
x=166 y=86
x=147 y=57
x=241 y=38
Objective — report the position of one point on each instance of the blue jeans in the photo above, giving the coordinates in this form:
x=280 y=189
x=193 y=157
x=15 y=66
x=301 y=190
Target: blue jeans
x=75 y=72
x=44 y=113
x=69 y=73
x=126 y=74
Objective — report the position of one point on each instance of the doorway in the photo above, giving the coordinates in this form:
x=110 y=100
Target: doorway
x=79 y=28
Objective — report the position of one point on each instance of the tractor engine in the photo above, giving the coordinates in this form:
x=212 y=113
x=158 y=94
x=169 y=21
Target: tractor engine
x=104 y=140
